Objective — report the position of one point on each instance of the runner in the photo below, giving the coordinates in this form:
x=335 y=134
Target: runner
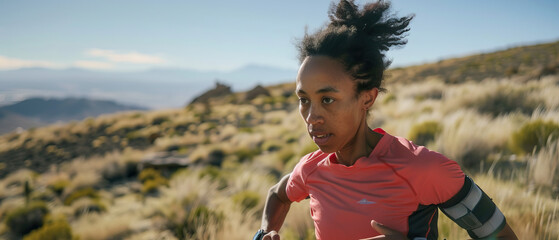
x=365 y=183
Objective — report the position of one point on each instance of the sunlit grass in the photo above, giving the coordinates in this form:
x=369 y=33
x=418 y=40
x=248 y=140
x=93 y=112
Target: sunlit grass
x=261 y=140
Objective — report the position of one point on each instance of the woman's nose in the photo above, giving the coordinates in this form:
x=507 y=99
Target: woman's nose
x=314 y=116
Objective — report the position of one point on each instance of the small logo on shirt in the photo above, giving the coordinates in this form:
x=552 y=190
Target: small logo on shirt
x=365 y=201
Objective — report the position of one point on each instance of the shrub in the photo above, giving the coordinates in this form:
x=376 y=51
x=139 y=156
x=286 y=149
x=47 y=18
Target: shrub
x=210 y=171
x=244 y=154
x=215 y=157
x=58 y=229
x=214 y=174
x=246 y=199
x=113 y=171
x=285 y=154
x=425 y=132
x=86 y=192
x=159 y=120
x=200 y=216
x=533 y=136
x=27 y=218
x=271 y=146
x=151 y=185
x=58 y=186
x=245 y=129
x=151 y=180
x=148 y=174
x=504 y=101
x=88 y=206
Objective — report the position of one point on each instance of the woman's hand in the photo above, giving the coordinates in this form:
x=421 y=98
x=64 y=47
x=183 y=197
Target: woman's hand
x=273 y=235
x=386 y=233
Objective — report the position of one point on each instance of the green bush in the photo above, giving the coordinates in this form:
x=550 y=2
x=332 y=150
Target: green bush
x=56 y=230
x=246 y=199
x=423 y=133
x=151 y=180
x=271 y=146
x=151 y=185
x=148 y=174
x=244 y=154
x=532 y=135
x=159 y=120
x=85 y=192
x=59 y=186
x=27 y=218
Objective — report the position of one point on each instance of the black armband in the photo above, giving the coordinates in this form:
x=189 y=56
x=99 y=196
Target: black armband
x=474 y=211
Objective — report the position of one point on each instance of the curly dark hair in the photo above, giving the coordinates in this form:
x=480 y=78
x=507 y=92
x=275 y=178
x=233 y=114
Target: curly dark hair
x=358 y=38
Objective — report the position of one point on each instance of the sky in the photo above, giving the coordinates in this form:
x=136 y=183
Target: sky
x=134 y=35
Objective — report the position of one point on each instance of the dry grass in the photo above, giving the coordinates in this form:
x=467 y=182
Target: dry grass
x=470 y=135
x=544 y=166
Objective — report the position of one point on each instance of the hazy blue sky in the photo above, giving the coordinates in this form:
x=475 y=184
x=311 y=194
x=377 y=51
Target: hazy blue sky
x=224 y=35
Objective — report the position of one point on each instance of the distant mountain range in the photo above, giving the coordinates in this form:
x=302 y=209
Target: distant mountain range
x=156 y=88
x=35 y=112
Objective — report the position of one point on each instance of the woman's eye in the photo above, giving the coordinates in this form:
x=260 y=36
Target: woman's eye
x=303 y=100
x=327 y=100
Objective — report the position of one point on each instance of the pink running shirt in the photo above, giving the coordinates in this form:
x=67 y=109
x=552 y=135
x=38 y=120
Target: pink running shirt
x=399 y=185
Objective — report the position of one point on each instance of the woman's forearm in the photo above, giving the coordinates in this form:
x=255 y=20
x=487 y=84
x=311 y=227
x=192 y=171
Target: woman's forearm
x=277 y=207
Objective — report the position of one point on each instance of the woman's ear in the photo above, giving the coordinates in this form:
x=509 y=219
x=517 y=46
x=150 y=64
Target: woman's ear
x=369 y=97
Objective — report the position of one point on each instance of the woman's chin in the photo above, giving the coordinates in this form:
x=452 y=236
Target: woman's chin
x=326 y=149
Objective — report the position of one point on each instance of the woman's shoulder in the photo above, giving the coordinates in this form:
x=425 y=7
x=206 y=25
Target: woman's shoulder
x=309 y=163
x=314 y=157
x=404 y=149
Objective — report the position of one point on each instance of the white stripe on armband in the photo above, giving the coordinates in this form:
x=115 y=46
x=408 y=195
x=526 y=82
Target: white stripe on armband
x=466 y=205
x=491 y=225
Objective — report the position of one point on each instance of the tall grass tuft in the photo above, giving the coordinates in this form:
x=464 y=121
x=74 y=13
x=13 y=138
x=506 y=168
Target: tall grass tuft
x=544 y=166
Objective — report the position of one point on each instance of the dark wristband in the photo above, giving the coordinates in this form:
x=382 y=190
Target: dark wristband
x=259 y=235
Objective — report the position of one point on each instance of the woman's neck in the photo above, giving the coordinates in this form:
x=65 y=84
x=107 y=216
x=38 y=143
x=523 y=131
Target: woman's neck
x=362 y=145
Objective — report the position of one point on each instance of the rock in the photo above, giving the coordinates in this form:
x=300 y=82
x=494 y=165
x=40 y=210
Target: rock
x=220 y=90
x=255 y=92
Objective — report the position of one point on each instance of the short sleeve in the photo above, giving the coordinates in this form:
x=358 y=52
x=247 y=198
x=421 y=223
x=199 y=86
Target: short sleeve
x=440 y=178
x=296 y=188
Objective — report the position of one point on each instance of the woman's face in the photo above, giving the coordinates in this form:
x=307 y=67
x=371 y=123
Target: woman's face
x=329 y=105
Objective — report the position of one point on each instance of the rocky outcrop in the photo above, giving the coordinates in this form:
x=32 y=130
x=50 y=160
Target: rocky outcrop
x=220 y=90
x=255 y=92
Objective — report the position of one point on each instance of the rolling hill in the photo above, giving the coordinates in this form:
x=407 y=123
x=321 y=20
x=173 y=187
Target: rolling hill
x=35 y=112
x=221 y=154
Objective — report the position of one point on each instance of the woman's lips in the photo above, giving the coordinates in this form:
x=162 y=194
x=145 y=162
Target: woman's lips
x=321 y=139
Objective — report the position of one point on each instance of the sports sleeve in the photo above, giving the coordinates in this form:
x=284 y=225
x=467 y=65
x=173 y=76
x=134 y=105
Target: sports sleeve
x=474 y=211
x=296 y=188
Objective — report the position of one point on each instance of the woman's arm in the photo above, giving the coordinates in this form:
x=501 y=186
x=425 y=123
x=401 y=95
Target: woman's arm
x=507 y=233
x=276 y=208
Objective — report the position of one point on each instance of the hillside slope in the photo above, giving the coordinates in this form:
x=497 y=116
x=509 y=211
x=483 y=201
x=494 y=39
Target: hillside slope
x=35 y=112
x=99 y=173
x=528 y=62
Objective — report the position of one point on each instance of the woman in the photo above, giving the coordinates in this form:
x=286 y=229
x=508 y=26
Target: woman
x=365 y=183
